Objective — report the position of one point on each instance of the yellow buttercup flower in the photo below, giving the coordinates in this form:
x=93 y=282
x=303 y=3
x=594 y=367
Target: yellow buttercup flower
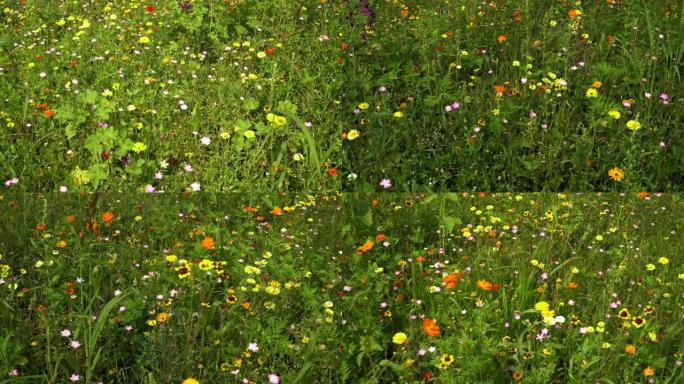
x=633 y=125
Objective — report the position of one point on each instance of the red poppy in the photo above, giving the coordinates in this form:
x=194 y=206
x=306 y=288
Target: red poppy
x=332 y=172
x=150 y=8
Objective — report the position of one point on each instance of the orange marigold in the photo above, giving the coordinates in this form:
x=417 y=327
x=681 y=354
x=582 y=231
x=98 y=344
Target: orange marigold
x=107 y=217
x=208 y=243
x=367 y=246
x=430 y=327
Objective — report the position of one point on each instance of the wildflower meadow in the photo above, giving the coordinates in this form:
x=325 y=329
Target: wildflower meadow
x=353 y=95
x=341 y=191
x=342 y=288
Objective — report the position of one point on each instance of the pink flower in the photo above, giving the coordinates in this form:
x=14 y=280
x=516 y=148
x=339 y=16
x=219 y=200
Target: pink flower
x=273 y=379
x=386 y=183
x=65 y=333
x=12 y=181
x=664 y=98
x=75 y=344
x=74 y=377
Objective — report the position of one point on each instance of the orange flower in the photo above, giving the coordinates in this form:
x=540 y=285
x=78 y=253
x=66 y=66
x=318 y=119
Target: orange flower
x=501 y=39
x=420 y=259
x=71 y=218
x=405 y=12
x=277 y=211
x=246 y=305
x=367 y=246
x=573 y=13
x=40 y=226
x=208 y=243
x=573 y=285
x=630 y=349
x=332 y=172
x=499 y=89
x=451 y=279
x=487 y=286
x=430 y=327
x=648 y=371
x=49 y=113
x=596 y=84
x=380 y=237
x=642 y=195
x=517 y=376
x=107 y=217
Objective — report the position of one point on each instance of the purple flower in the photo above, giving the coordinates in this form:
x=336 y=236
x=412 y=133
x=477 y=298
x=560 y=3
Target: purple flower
x=124 y=160
x=386 y=183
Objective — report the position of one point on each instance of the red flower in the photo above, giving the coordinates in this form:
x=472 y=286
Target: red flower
x=332 y=172
x=150 y=8
x=270 y=51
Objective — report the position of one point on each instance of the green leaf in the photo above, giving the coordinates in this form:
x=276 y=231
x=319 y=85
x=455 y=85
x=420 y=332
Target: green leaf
x=450 y=222
x=251 y=104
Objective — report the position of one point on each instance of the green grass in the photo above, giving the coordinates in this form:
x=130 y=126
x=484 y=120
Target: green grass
x=578 y=253
x=321 y=60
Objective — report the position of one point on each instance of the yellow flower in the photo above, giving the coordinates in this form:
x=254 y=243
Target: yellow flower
x=139 y=147
x=261 y=54
x=650 y=267
x=206 y=265
x=541 y=306
x=591 y=92
x=249 y=134
x=614 y=114
x=663 y=260
x=353 y=134
x=171 y=258
x=144 y=40
x=363 y=106
x=399 y=338
x=190 y=380
x=616 y=174
x=633 y=125
x=398 y=114
x=162 y=317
